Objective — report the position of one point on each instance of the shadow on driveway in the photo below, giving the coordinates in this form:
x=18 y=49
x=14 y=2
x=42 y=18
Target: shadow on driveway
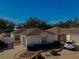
x=77 y=48
x=6 y=48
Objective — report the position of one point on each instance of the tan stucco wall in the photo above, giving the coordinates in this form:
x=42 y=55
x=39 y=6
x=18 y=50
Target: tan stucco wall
x=74 y=37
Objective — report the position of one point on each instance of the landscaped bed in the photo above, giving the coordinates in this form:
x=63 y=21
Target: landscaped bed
x=31 y=55
x=27 y=54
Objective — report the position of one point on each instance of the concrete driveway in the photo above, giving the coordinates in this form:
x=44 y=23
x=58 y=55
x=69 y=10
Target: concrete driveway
x=65 y=54
x=9 y=54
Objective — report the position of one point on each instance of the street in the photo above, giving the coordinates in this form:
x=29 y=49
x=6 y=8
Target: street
x=10 y=53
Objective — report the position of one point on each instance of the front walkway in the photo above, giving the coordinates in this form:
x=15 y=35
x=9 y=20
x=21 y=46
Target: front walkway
x=9 y=54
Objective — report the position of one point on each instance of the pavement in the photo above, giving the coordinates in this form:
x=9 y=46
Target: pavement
x=10 y=53
x=65 y=54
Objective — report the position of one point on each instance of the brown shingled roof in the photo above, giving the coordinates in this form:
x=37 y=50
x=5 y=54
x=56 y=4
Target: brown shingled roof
x=34 y=31
x=30 y=31
x=64 y=30
x=70 y=30
x=56 y=30
x=18 y=31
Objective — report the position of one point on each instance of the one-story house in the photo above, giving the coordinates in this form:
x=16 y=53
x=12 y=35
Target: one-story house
x=59 y=33
x=66 y=33
x=7 y=38
x=34 y=36
x=31 y=36
x=72 y=34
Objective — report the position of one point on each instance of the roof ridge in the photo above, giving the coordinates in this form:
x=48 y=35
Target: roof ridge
x=35 y=30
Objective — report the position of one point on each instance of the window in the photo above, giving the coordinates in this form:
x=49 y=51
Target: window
x=17 y=37
x=69 y=42
x=44 y=40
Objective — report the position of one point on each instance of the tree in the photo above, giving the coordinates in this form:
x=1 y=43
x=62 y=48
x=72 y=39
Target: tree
x=2 y=24
x=6 y=25
x=75 y=23
x=68 y=24
x=61 y=24
x=36 y=23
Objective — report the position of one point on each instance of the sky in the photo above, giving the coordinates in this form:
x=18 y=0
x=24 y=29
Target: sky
x=50 y=11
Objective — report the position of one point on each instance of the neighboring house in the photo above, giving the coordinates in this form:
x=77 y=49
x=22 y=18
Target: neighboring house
x=59 y=33
x=7 y=38
x=66 y=33
x=34 y=36
x=17 y=35
x=72 y=34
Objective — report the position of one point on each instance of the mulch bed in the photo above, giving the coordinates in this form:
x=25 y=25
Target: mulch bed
x=27 y=54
